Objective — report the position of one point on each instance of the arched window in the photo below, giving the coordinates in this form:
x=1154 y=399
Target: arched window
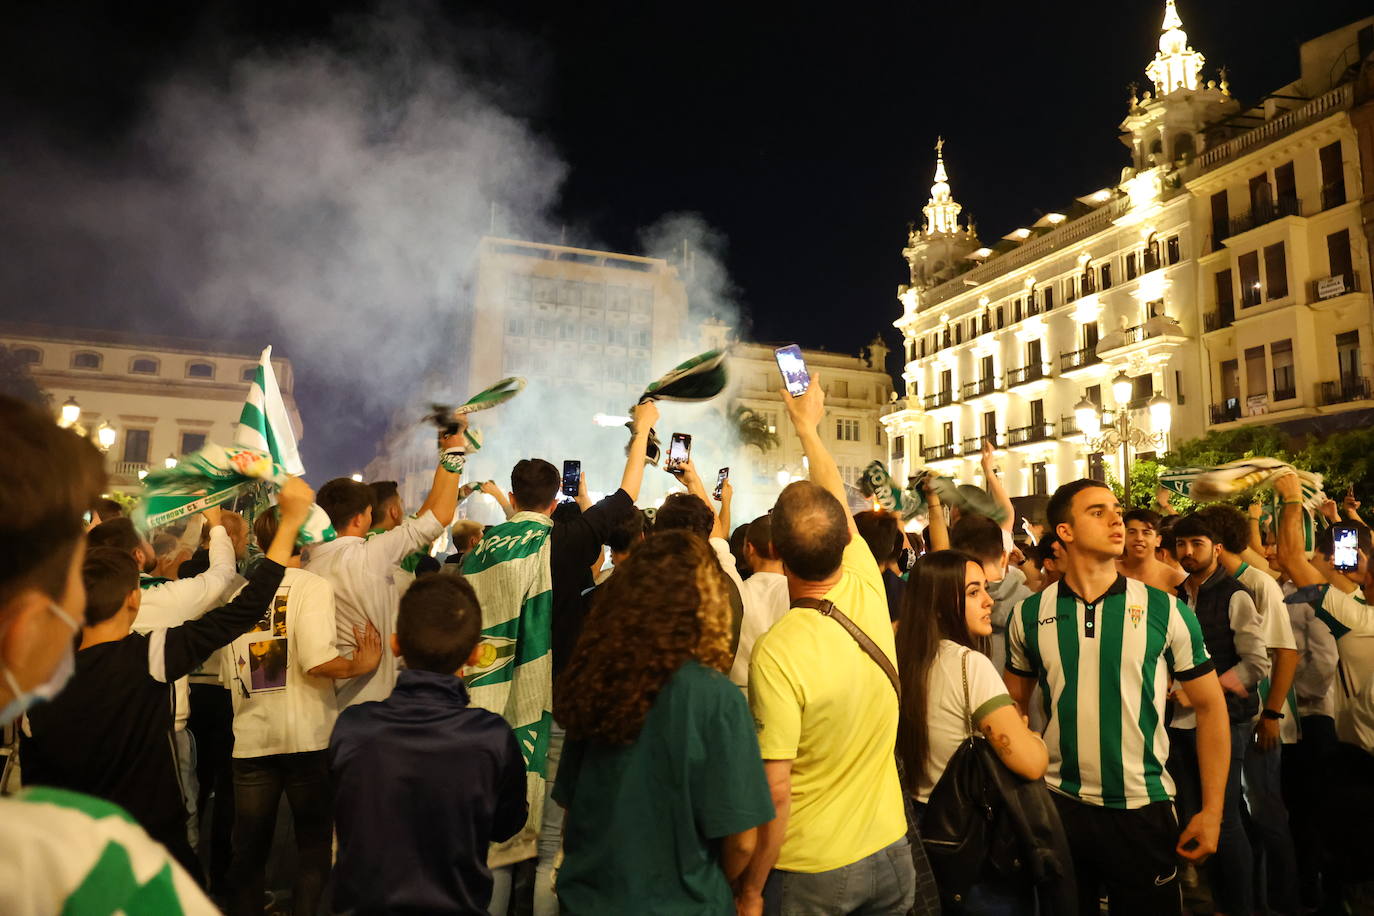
x=85 y=359
x=1183 y=147
x=143 y=365
x=28 y=356
x=200 y=370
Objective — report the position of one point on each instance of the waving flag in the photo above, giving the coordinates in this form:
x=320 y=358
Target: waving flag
x=698 y=379
x=264 y=424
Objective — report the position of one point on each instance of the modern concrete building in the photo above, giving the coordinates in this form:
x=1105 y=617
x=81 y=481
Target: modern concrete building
x=162 y=396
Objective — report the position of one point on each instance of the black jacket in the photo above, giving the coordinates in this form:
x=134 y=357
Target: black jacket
x=1213 y=612
x=109 y=733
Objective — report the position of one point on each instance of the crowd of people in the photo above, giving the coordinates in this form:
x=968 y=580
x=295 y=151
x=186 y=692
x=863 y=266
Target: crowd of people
x=593 y=709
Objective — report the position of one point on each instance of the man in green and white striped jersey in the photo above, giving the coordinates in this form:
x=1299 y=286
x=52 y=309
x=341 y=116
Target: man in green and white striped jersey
x=1103 y=649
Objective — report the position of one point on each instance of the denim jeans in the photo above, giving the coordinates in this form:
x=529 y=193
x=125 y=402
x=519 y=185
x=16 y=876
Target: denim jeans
x=1276 y=862
x=876 y=885
x=550 y=834
x=258 y=786
x=190 y=785
x=1231 y=871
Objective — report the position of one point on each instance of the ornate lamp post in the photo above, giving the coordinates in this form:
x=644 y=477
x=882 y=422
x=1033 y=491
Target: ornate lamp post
x=1105 y=430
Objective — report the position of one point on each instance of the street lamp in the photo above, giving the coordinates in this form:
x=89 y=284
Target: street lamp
x=71 y=412
x=104 y=436
x=357 y=478
x=142 y=473
x=169 y=462
x=1119 y=432
x=1122 y=386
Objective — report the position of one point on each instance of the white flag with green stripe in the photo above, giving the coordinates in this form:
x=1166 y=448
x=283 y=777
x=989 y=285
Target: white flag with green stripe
x=264 y=423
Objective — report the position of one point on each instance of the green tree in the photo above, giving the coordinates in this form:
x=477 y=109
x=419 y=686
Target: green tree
x=751 y=428
x=16 y=381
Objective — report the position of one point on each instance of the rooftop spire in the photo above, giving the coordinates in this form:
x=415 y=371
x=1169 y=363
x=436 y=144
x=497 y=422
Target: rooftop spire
x=942 y=212
x=1176 y=65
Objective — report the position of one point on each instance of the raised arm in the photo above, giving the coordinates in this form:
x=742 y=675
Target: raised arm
x=1292 y=552
x=806 y=413
x=1256 y=542
x=645 y=416
x=692 y=481
x=442 y=500
x=995 y=488
x=1162 y=497
x=492 y=490
x=937 y=532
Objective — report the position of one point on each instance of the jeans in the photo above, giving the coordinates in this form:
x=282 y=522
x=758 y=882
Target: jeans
x=550 y=834
x=1231 y=871
x=258 y=786
x=1276 y=863
x=190 y=786
x=876 y=885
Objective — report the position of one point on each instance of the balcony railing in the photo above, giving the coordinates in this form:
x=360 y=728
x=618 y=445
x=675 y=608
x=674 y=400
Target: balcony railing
x=939 y=399
x=1264 y=213
x=1027 y=374
x=1226 y=411
x=981 y=387
x=1336 y=285
x=1221 y=318
x=1036 y=432
x=1068 y=426
x=1350 y=388
x=975 y=445
x=940 y=452
x=1283 y=394
x=129 y=468
x=1078 y=359
x=1286 y=123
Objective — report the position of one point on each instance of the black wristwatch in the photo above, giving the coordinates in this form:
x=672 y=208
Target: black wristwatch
x=1270 y=714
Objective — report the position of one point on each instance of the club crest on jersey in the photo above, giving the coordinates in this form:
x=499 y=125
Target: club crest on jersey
x=1136 y=612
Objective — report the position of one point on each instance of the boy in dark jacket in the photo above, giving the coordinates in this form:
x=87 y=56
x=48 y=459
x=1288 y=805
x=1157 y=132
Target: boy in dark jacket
x=424 y=782
x=109 y=733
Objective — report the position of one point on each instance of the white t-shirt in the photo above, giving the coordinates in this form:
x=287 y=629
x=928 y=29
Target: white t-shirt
x=946 y=714
x=1317 y=658
x=278 y=707
x=765 y=601
x=1274 y=621
x=364 y=575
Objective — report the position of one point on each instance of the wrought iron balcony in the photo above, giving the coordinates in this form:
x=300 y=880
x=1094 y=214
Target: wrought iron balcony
x=939 y=399
x=975 y=445
x=1068 y=426
x=1350 y=388
x=940 y=452
x=1266 y=212
x=1226 y=411
x=1036 y=432
x=981 y=387
x=1221 y=318
x=1078 y=359
x=1027 y=374
x=1335 y=285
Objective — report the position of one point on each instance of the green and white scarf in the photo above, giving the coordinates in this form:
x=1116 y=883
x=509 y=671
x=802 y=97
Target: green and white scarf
x=509 y=570
x=1239 y=479
x=443 y=414
x=698 y=379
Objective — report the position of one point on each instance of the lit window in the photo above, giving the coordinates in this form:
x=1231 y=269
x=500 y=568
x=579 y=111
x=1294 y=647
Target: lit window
x=143 y=366
x=86 y=360
x=200 y=370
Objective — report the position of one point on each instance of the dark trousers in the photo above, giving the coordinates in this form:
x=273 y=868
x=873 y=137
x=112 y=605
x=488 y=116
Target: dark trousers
x=1231 y=871
x=212 y=724
x=1127 y=853
x=258 y=786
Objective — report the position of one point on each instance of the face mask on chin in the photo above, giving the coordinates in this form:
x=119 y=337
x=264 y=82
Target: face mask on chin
x=23 y=701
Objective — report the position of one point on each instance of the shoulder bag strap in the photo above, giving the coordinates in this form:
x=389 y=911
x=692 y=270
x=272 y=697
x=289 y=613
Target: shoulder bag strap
x=968 y=707
x=828 y=609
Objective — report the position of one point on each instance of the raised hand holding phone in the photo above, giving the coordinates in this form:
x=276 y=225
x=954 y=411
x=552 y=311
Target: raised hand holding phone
x=793 y=369
x=721 y=477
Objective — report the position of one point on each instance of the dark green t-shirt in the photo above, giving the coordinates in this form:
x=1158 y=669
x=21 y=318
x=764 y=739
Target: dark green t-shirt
x=645 y=821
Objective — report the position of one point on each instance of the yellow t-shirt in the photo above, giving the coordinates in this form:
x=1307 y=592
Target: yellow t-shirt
x=821 y=702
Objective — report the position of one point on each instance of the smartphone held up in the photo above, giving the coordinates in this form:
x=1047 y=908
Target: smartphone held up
x=1345 y=542
x=679 y=453
x=572 y=476
x=721 y=476
x=793 y=369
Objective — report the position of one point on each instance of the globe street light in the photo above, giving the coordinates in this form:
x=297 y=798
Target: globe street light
x=1119 y=431
x=104 y=436
x=71 y=412
x=169 y=462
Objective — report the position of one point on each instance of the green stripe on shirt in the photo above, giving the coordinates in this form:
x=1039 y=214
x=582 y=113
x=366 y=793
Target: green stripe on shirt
x=1066 y=631
x=1110 y=632
x=1156 y=629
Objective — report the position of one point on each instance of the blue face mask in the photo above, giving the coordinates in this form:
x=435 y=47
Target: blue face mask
x=23 y=701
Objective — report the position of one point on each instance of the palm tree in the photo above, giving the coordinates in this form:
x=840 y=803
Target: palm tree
x=752 y=429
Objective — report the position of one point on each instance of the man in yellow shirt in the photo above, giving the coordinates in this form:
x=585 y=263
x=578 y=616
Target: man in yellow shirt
x=826 y=713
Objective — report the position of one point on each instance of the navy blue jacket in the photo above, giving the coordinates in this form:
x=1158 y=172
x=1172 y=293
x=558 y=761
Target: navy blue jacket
x=423 y=783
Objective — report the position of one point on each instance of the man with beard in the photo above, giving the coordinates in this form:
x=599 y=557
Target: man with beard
x=1232 y=630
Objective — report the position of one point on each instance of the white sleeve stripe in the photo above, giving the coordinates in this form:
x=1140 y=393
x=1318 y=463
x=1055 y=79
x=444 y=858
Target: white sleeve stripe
x=157 y=655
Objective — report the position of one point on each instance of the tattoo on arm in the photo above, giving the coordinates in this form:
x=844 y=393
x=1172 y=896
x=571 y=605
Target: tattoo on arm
x=1001 y=743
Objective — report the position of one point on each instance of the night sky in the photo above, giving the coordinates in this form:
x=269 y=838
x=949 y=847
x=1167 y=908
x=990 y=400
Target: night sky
x=803 y=133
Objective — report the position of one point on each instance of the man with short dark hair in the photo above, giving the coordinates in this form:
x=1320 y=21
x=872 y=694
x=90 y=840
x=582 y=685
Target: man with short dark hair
x=529 y=574
x=1235 y=641
x=838 y=841
x=1103 y=649
x=425 y=781
x=386 y=505
x=987 y=542
x=1276 y=725
x=1139 y=561
x=364 y=571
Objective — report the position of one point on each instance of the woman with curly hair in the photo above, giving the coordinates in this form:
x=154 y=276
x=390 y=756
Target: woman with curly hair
x=661 y=775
